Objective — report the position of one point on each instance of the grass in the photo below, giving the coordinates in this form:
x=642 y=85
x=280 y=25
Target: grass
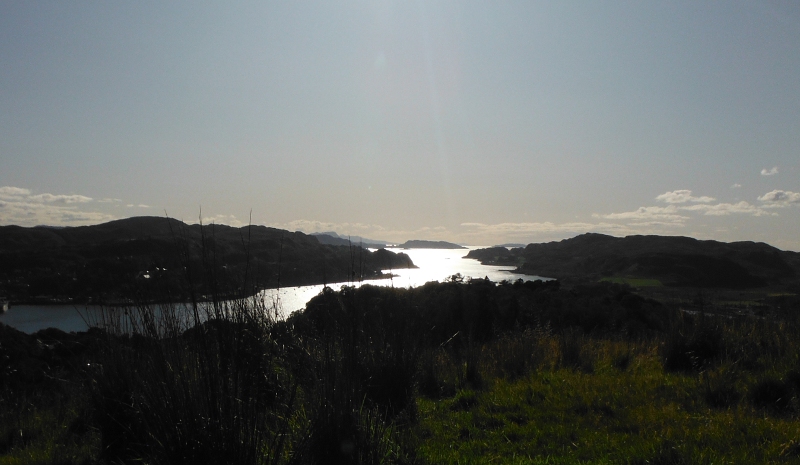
x=47 y=429
x=633 y=282
x=457 y=372
x=638 y=415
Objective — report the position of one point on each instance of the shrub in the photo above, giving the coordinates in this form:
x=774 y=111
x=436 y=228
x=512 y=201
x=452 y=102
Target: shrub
x=692 y=345
x=772 y=394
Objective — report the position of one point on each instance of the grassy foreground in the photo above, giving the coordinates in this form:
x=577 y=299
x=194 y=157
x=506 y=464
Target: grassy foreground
x=615 y=414
x=457 y=372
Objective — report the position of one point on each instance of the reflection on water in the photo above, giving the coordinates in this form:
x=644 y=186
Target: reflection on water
x=439 y=264
x=433 y=265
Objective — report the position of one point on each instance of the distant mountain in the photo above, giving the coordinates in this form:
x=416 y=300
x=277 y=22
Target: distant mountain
x=150 y=257
x=417 y=244
x=675 y=261
x=331 y=238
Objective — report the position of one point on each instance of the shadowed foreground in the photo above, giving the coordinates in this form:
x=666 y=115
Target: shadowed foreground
x=456 y=372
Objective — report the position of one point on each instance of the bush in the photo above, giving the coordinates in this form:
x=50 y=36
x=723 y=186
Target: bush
x=691 y=346
x=772 y=394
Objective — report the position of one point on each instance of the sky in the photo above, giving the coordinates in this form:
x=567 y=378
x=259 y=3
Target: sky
x=475 y=122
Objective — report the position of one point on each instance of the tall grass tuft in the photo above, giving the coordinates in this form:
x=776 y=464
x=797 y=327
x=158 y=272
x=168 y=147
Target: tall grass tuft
x=218 y=391
x=200 y=382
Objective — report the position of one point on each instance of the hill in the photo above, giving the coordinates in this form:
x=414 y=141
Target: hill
x=418 y=244
x=674 y=261
x=331 y=238
x=154 y=256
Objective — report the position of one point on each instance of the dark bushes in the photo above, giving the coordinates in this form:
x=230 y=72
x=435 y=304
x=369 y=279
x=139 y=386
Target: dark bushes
x=692 y=345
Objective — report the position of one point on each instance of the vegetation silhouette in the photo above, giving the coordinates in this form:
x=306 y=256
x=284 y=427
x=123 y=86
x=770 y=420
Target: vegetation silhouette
x=464 y=370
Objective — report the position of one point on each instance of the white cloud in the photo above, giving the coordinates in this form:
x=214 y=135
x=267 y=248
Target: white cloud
x=675 y=214
x=736 y=186
x=779 y=198
x=13 y=192
x=322 y=226
x=50 y=198
x=683 y=196
x=141 y=205
x=669 y=213
x=33 y=214
x=21 y=207
x=771 y=172
x=722 y=209
x=20 y=194
x=527 y=228
x=667 y=224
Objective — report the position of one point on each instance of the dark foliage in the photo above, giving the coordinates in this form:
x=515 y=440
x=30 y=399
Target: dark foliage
x=692 y=345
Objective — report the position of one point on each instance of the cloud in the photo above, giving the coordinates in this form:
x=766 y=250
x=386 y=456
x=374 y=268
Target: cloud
x=667 y=224
x=529 y=227
x=141 y=205
x=322 y=226
x=669 y=213
x=33 y=214
x=736 y=186
x=20 y=194
x=675 y=213
x=21 y=207
x=722 y=209
x=50 y=198
x=779 y=198
x=13 y=192
x=683 y=196
x=772 y=172
x=512 y=230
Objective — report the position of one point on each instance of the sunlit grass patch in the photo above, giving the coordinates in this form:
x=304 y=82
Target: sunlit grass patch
x=638 y=415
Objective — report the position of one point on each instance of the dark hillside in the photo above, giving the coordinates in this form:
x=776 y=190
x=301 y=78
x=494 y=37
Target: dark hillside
x=152 y=256
x=675 y=261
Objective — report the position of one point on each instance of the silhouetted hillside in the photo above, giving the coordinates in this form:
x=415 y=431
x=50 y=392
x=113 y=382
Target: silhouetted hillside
x=155 y=257
x=675 y=261
x=331 y=238
x=417 y=244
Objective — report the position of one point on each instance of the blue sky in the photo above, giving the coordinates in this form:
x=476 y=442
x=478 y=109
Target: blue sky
x=472 y=122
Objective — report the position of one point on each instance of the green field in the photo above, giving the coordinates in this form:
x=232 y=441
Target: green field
x=611 y=413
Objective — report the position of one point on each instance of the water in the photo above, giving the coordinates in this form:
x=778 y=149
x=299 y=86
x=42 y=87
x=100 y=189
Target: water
x=434 y=265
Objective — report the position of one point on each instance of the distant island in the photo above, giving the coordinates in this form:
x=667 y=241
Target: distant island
x=157 y=258
x=669 y=260
x=418 y=244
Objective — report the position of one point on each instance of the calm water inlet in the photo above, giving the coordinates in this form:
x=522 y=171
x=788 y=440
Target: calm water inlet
x=433 y=265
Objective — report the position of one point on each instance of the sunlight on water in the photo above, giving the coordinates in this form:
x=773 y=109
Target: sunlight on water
x=433 y=265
